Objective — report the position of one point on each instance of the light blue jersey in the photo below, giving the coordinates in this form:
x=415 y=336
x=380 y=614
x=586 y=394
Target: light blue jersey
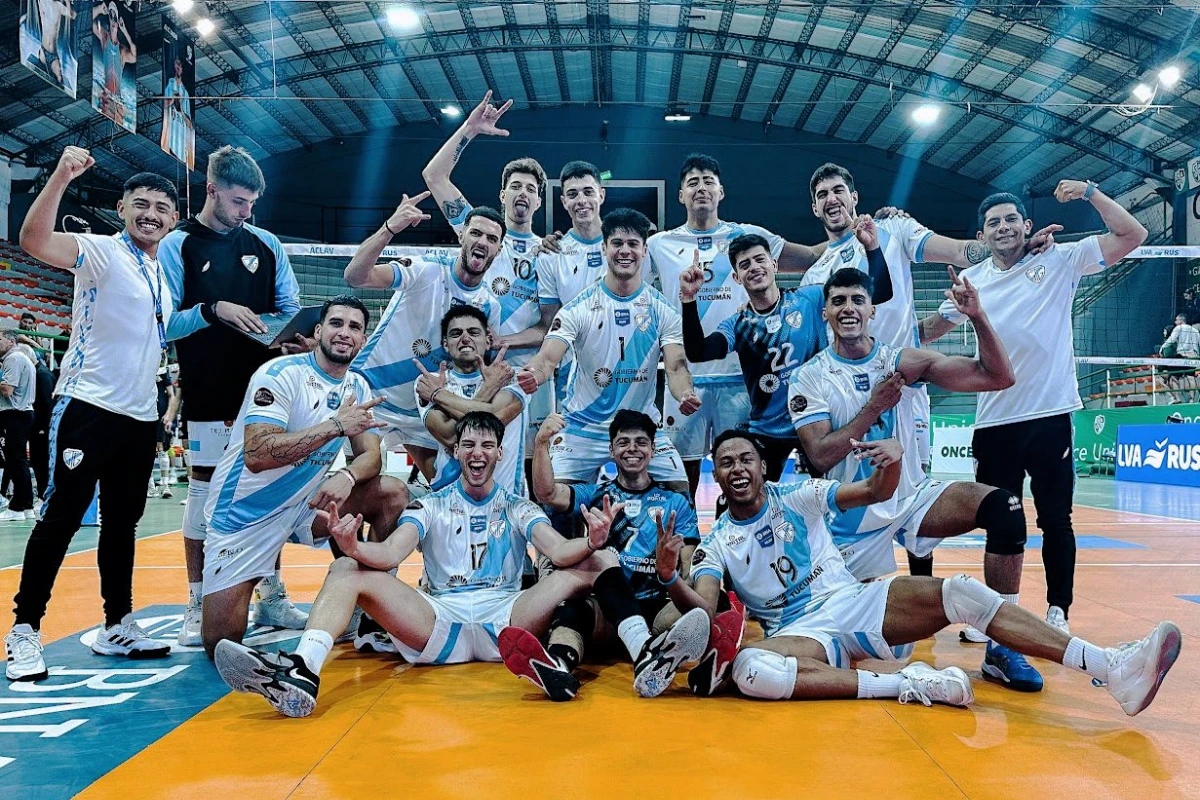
x=782 y=562
x=471 y=544
x=425 y=289
x=292 y=393
x=617 y=343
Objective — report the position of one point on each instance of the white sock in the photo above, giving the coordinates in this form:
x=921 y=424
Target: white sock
x=873 y=685
x=314 y=648
x=194 y=593
x=269 y=586
x=1015 y=599
x=1086 y=657
x=634 y=634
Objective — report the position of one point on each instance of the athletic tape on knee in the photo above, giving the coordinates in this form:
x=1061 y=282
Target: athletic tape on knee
x=967 y=601
x=764 y=675
x=1003 y=517
x=194 y=525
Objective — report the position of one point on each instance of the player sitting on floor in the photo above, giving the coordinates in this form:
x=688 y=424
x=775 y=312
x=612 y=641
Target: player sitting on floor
x=473 y=536
x=775 y=550
x=680 y=639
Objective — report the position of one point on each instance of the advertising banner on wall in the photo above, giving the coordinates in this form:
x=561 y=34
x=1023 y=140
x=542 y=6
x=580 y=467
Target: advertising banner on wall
x=114 y=62
x=1168 y=454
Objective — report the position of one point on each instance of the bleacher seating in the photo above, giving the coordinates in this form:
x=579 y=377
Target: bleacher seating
x=29 y=285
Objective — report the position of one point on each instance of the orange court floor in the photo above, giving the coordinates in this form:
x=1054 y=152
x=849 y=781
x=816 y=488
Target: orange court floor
x=103 y=728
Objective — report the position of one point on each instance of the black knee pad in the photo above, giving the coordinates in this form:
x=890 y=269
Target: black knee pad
x=576 y=615
x=1003 y=517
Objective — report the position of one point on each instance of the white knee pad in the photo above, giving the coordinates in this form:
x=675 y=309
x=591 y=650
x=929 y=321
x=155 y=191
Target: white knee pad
x=966 y=600
x=194 y=525
x=764 y=675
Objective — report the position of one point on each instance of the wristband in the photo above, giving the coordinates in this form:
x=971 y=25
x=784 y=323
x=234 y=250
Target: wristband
x=1087 y=193
x=346 y=471
x=341 y=428
x=388 y=228
x=208 y=312
x=671 y=582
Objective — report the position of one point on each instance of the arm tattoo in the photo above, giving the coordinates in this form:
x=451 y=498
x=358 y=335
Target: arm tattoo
x=453 y=209
x=462 y=145
x=277 y=446
x=977 y=252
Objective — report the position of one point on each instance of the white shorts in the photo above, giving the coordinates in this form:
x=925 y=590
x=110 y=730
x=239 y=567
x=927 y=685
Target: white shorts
x=849 y=625
x=465 y=627
x=249 y=554
x=402 y=429
x=722 y=406
x=541 y=405
x=578 y=455
x=206 y=442
x=870 y=555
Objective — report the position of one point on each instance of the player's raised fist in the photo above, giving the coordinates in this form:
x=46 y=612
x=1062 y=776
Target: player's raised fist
x=74 y=162
x=1066 y=191
x=552 y=425
x=689 y=404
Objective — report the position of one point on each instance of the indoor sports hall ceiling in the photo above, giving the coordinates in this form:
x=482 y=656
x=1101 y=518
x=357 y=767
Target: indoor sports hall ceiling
x=1025 y=90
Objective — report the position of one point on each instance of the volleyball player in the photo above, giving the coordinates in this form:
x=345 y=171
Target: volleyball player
x=512 y=276
x=775 y=550
x=618 y=326
x=103 y=425
x=852 y=392
x=1027 y=430
x=297 y=413
x=473 y=536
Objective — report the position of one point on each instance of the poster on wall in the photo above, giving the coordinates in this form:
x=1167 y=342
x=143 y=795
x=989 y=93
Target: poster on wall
x=114 y=61
x=179 y=83
x=47 y=41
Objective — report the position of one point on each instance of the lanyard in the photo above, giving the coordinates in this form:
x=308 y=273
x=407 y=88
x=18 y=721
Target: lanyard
x=136 y=252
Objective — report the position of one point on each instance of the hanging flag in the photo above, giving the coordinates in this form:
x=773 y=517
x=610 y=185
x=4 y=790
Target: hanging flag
x=179 y=82
x=47 y=41
x=114 y=61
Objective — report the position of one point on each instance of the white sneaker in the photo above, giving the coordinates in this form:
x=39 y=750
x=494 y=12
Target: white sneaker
x=8 y=515
x=128 y=639
x=167 y=494
x=375 y=642
x=972 y=635
x=189 y=631
x=30 y=515
x=1057 y=618
x=25 y=663
x=666 y=654
x=1137 y=669
x=277 y=611
x=152 y=491
x=927 y=685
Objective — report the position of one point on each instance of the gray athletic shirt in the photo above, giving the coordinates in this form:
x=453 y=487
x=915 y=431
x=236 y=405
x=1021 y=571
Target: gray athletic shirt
x=19 y=373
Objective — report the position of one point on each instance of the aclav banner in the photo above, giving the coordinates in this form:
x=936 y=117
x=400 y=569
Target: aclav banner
x=1096 y=430
x=1167 y=454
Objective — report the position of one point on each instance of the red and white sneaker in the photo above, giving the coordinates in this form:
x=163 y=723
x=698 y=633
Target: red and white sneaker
x=724 y=639
x=525 y=657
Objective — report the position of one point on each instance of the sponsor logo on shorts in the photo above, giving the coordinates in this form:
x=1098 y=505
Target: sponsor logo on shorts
x=421 y=348
x=797 y=404
x=264 y=397
x=72 y=457
x=500 y=286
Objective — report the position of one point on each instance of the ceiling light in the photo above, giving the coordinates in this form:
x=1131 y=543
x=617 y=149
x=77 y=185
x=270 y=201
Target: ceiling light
x=926 y=114
x=453 y=112
x=182 y=6
x=1143 y=93
x=403 y=17
x=677 y=117
x=205 y=26
x=1169 y=76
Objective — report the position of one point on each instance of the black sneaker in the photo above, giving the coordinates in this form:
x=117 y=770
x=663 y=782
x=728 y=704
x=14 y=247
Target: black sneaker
x=664 y=655
x=283 y=679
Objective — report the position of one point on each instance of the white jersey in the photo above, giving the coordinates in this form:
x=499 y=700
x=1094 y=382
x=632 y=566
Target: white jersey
x=425 y=289
x=510 y=470
x=471 y=544
x=720 y=297
x=834 y=389
x=1029 y=306
x=293 y=393
x=902 y=240
x=617 y=342
x=112 y=359
x=562 y=276
x=782 y=562
x=513 y=280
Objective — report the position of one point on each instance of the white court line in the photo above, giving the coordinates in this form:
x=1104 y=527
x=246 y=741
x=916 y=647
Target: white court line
x=90 y=549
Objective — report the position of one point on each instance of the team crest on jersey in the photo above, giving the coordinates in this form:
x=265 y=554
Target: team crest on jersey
x=250 y=263
x=1036 y=274
x=723 y=245
x=421 y=348
x=72 y=457
x=643 y=322
x=496 y=528
x=595 y=259
x=621 y=316
x=794 y=319
x=774 y=324
x=798 y=404
x=602 y=377
x=769 y=383
x=862 y=382
x=765 y=536
x=633 y=506
x=786 y=532
x=500 y=286
x=519 y=245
